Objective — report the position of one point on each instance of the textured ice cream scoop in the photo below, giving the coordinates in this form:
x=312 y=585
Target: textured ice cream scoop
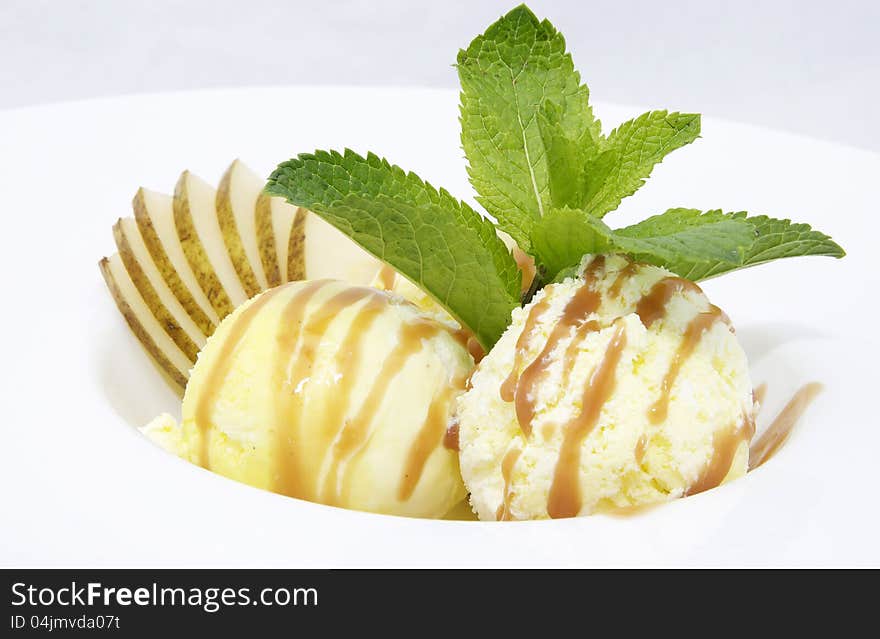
x=620 y=388
x=332 y=393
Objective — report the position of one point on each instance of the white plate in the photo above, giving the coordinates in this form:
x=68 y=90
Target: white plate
x=79 y=486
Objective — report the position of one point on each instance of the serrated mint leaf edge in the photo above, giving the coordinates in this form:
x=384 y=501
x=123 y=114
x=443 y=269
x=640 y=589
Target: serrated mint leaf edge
x=519 y=225
x=606 y=196
x=483 y=229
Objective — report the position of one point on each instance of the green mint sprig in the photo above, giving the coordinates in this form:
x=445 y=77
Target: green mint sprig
x=774 y=239
x=542 y=168
x=507 y=75
x=438 y=242
x=684 y=236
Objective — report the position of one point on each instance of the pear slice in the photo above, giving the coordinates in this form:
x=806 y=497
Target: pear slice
x=276 y=221
x=266 y=240
x=195 y=217
x=171 y=360
x=154 y=215
x=283 y=218
x=154 y=291
x=330 y=254
x=236 y=213
x=296 y=247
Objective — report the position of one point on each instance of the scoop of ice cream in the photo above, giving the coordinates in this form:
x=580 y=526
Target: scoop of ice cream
x=619 y=388
x=333 y=393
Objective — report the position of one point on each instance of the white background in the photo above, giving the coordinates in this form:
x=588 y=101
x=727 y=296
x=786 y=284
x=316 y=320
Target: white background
x=809 y=67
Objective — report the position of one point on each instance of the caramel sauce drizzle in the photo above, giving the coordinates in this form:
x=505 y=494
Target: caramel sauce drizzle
x=508 y=386
x=565 y=498
x=451 y=438
x=387 y=277
x=759 y=393
x=652 y=307
x=584 y=302
x=692 y=336
x=519 y=387
x=475 y=349
x=467 y=339
x=355 y=434
x=640 y=449
x=348 y=361
x=573 y=349
x=724 y=446
x=350 y=354
x=429 y=437
x=777 y=433
x=293 y=474
x=625 y=273
x=593 y=268
x=526 y=264
x=216 y=375
x=507 y=464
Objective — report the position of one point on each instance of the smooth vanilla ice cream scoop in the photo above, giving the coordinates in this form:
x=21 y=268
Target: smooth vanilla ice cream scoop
x=329 y=392
x=620 y=388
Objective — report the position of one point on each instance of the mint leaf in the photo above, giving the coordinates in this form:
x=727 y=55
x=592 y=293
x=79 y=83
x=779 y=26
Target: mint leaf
x=564 y=236
x=775 y=239
x=433 y=239
x=506 y=74
x=689 y=243
x=688 y=234
x=567 y=158
x=629 y=156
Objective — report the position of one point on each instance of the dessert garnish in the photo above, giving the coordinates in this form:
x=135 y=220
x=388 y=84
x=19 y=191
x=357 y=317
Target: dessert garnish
x=544 y=170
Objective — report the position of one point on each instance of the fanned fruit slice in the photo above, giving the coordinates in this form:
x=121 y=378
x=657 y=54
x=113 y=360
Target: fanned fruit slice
x=154 y=214
x=171 y=360
x=185 y=262
x=275 y=219
x=198 y=227
x=155 y=292
x=237 y=197
x=325 y=252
